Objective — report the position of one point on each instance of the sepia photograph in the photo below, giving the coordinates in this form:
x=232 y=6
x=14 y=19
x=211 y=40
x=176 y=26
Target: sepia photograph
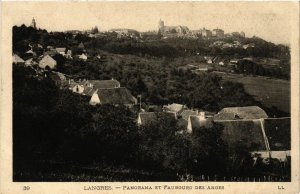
x=152 y=92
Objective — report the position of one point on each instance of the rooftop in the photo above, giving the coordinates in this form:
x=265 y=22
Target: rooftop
x=246 y=112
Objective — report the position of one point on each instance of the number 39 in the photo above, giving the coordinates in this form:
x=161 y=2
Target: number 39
x=26 y=188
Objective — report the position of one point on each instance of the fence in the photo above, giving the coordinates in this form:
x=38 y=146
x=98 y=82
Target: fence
x=206 y=178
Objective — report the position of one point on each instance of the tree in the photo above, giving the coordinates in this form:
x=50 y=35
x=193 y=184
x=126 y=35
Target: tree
x=233 y=94
x=95 y=30
x=207 y=151
x=60 y=60
x=158 y=145
x=139 y=87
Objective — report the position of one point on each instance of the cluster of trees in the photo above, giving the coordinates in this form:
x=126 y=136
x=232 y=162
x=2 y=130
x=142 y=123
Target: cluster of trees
x=251 y=68
x=167 y=85
x=56 y=125
x=162 y=83
x=158 y=80
x=137 y=48
x=95 y=30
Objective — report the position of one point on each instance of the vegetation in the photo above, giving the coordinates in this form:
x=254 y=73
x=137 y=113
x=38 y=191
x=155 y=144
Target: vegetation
x=55 y=128
x=60 y=127
x=56 y=125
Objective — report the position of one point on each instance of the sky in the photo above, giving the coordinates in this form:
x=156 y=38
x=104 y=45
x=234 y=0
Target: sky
x=268 y=20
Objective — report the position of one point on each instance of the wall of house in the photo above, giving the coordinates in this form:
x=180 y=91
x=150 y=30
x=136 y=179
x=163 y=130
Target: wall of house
x=50 y=63
x=94 y=99
x=78 y=89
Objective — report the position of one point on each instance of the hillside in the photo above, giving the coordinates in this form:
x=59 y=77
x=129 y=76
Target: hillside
x=270 y=92
x=62 y=116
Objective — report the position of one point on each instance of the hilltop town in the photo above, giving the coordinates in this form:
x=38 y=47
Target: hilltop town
x=174 y=104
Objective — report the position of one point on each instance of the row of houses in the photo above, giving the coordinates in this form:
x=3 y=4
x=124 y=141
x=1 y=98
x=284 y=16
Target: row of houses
x=43 y=61
x=98 y=91
x=248 y=126
x=204 y=117
x=46 y=60
x=104 y=92
x=235 y=44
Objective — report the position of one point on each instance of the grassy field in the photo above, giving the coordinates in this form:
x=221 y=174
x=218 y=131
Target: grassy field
x=270 y=92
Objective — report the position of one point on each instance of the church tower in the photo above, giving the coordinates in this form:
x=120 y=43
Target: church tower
x=33 y=24
x=161 y=26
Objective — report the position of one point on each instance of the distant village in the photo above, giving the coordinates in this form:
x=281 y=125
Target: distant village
x=249 y=124
x=167 y=32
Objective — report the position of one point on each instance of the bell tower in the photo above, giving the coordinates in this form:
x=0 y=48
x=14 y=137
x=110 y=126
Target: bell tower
x=161 y=26
x=33 y=23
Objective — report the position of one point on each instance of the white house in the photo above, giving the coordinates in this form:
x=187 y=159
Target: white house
x=31 y=53
x=77 y=88
x=113 y=96
x=47 y=61
x=30 y=62
x=95 y=99
x=196 y=121
x=221 y=63
x=177 y=108
x=69 y=54
x=61 y=51
x=17 y=59
x=82 y=57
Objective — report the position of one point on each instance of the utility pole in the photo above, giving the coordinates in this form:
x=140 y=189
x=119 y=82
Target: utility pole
x=140 y=97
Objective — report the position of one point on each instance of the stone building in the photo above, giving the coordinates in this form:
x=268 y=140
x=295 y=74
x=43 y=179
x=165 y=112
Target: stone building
x=172 y=30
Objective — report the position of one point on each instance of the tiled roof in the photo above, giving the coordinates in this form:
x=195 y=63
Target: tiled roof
x=224 y=116
x=61 y=50
x=245 y=132
x=174 y=107
x=246 y=112
x=89 y=91
x=31 y=52
x=17 y=59
x=30 y=61
x=57 y=76
x=51 y=52
x=81 y=45
x=116 y=96
x=102 y=84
